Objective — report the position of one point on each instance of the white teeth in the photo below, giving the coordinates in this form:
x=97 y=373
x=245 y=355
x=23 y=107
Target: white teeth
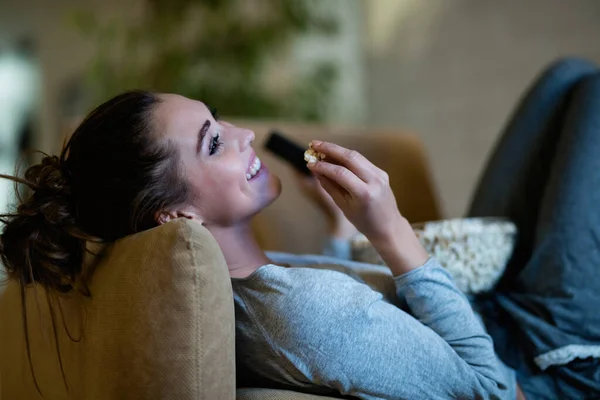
x=253 y=169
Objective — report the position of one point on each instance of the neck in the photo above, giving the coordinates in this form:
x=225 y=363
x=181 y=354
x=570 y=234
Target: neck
x=242 y=253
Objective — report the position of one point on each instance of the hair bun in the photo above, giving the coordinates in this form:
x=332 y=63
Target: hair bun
x=40 y=241
x=51 y=192
x=49 y=175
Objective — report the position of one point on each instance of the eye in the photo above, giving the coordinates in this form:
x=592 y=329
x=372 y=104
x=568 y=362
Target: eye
x=215 y=143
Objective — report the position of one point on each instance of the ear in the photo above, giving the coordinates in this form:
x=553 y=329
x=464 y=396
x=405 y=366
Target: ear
x=164 y=216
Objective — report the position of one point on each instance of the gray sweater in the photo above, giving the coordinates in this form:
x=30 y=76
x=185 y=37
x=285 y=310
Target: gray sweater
x=328 y=324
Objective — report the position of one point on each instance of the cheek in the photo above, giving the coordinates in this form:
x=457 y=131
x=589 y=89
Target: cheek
x=224 y=195
x=224 y=173
x=225 y=185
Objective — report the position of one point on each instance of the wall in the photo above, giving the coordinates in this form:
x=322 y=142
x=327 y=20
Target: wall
x=452 y=71
x=346 y=50
x=63 y=53
x=448 y=70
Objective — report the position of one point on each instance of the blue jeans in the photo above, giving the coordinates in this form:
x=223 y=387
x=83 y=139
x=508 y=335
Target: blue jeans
x=544 y=174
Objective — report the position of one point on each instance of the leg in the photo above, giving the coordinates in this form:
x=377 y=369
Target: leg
x=567 y=236
x=541 y=175
x=513 y=181
x=554 y=298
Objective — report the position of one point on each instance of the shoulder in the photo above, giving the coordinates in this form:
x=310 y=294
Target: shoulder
x=298 y=299
x=281 y=286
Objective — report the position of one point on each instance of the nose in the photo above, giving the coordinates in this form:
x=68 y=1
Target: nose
x=246 y=138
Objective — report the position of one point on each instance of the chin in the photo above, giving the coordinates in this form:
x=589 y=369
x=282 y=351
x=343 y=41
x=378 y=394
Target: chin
x=272 y=191
x=268 y=191
x=268 y=194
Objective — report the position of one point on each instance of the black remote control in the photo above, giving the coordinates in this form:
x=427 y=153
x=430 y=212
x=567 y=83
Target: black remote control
x=287 y=150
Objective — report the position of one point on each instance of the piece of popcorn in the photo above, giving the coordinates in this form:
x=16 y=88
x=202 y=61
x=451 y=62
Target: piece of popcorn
x=313 y=156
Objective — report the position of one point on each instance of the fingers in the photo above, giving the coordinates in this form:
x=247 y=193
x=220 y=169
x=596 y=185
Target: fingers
x=350 y=159
x=340 y=175
x=331 y=188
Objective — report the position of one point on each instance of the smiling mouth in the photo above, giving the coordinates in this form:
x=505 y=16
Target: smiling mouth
x=253 y=169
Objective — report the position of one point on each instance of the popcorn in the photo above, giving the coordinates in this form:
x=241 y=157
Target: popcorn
x=311 y=155
x=475 y=251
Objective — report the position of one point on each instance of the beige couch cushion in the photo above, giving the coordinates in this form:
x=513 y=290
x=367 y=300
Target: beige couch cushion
x=159 y=325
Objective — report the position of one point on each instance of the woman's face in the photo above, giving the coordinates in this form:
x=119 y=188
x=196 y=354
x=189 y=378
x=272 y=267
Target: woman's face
x=228 y=183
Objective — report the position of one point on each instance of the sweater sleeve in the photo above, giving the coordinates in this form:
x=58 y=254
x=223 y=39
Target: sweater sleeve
x=338 y=248
x=344 y=336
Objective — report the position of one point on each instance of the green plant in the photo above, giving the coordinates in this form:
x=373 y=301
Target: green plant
x=217 y=51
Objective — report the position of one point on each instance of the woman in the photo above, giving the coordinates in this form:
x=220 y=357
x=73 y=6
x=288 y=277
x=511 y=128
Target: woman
x=143 y=159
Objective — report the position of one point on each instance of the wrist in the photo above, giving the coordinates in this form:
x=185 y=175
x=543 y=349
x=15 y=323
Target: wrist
x=401 y=250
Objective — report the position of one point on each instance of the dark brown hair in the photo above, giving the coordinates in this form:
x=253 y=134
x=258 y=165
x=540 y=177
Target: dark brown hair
x=112 y=177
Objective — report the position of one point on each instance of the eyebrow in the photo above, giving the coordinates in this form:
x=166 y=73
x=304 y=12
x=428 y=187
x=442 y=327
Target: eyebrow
x=202 y=135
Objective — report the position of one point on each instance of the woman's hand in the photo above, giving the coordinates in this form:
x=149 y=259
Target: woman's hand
x=338 y=225
x=362 y=192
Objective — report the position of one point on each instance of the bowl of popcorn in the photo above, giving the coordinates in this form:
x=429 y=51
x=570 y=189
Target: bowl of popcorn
x=475 y=251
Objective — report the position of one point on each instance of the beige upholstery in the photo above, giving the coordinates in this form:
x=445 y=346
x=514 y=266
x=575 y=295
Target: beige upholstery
x=293 y=224
x=160 y=323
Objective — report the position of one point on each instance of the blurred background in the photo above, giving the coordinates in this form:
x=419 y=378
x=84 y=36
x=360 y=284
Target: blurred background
x=449 y=71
